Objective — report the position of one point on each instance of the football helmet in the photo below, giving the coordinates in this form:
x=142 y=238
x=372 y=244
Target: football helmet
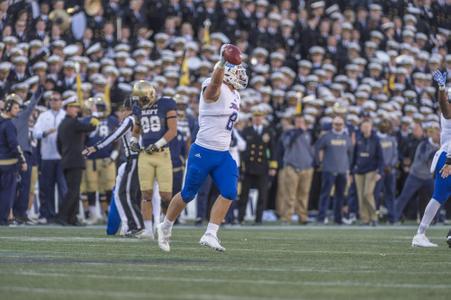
x=96 y=106
x=144 y=92
x=236 y=76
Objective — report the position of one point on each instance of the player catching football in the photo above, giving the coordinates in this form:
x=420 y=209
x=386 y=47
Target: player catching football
x=209 y=155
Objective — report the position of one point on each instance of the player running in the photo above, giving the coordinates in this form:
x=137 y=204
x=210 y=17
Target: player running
x=127 y=185
x=441 y=167
x=209 y=155
x=156 y=125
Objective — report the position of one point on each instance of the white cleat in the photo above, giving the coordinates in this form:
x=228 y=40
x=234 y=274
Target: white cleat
x=145 y=235
x=212 y=242
x=163 y=239
x=420 y=240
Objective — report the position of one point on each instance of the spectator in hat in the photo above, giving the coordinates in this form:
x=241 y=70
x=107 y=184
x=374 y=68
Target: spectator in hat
x=20 y=72
x=70 y=145
x=296 y=175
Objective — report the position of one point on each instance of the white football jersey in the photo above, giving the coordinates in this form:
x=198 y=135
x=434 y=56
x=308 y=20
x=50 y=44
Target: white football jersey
x=216 y=119
x=445 y=134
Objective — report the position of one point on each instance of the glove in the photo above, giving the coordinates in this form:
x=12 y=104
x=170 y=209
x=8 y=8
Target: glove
x=134 y=145
x=151 y=149
x=222 y=60
x=440 y=78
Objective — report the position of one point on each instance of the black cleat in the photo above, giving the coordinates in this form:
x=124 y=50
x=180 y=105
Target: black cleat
x=448 y=238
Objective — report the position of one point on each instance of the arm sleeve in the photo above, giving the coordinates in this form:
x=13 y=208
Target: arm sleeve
x=25 y=114
x=83 y=127
x=11 y=137
x=126 y=125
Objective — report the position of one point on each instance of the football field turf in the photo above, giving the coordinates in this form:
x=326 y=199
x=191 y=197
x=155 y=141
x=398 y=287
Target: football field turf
x=260 y=263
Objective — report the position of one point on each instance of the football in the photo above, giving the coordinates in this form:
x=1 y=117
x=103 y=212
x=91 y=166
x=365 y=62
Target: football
x=232 y=54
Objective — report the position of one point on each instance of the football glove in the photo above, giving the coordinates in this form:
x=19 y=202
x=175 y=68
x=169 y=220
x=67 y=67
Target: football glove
x=151 y=149
x=440 y=77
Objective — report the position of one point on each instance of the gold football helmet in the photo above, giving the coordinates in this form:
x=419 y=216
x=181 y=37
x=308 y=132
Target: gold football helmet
x=14 y=97
x=144 y=92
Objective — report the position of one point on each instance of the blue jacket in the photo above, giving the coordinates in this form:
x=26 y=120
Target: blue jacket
x=10 y=151
x=368 y=155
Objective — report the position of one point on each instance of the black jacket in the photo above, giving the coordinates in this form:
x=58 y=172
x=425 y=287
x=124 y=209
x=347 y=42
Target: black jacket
x=70 y=142
x=260 y=154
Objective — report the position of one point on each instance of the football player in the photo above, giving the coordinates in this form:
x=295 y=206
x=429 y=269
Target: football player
x=209 y=155
x=100 y=172
x=441 y=167
x=126 y=192
x=156 y=126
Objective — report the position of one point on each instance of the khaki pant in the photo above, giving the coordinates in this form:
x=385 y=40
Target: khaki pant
x=99 y=176
x=293 y=193
x=365 y=184
x=156 y=165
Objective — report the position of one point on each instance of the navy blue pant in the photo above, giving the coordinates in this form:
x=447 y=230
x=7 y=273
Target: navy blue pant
x=21 y=203
x=387 y=186
x=8 y=184
x=51 y=173
x=412 y=186
x=353 y=203
x=328 y=180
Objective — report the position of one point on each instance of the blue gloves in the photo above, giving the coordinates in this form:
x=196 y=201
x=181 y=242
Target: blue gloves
x=440 y=77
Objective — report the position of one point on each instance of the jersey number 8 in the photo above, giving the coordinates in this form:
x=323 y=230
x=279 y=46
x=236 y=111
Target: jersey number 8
x=233 y=117
x=151 y=123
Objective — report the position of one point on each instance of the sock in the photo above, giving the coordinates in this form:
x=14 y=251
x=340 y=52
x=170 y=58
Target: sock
x=148 y=225
x=92 y=211
x=212 y=229
x=429 y=214
x=167 y=224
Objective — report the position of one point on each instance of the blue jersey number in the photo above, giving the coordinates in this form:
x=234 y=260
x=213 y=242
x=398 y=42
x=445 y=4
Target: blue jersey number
x=151 y=123
x=233 y=117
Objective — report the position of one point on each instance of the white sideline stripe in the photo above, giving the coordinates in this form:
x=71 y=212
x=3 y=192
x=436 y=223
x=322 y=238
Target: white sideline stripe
x=121 y=294
x=244 y=281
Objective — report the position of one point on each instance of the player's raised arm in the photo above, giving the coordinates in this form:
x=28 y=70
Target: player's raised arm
x=445 y=106
x=212 y=91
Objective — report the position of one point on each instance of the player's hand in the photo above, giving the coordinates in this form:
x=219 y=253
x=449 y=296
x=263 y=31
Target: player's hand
x=24 y=167
x=88 y=151
x=134 y=146
x=136 y=110
x=108 y=161
x=445 y=171
x=439 y=77
x=350 y=178
x=151 y=149
x=221 y=54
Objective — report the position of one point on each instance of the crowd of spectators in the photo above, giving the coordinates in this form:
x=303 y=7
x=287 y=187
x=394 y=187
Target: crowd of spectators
x=345 y=88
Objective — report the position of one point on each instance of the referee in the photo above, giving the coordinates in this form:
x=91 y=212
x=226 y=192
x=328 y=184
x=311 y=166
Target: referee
x=126 y=192
x=70 y=141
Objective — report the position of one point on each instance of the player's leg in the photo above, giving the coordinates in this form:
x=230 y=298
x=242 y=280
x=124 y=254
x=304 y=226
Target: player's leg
x=91 y=185
x=439 y=197
x=106 y=183
x=146 y=172
x=164 y=177
x=225 y=177
x=197 y=169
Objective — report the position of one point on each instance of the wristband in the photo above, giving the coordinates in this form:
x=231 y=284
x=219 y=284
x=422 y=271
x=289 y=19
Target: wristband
x=441 y=87
x=133 y=140
x=160 y=143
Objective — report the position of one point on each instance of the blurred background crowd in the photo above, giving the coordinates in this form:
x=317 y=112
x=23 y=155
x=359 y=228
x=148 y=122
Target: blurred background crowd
x=339 y=122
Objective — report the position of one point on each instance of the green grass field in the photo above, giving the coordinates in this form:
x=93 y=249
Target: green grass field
x=260 y=263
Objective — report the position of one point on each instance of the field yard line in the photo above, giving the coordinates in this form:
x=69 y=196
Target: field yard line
x=242 y=281
x=120 y=294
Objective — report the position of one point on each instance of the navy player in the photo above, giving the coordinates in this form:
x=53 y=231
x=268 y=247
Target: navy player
x=156 y=125
x=441 y=167
x=100 y=172
x=126 y=192
x=209 y=155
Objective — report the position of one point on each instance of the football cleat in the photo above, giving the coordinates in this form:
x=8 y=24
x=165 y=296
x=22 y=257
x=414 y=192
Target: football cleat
x=212 y=242
x=145 y=235
x=163 y=239
x=448 y=238
x=420 y=240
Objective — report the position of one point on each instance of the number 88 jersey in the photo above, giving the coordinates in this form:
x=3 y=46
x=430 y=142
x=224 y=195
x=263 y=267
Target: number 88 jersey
x=153 y=120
